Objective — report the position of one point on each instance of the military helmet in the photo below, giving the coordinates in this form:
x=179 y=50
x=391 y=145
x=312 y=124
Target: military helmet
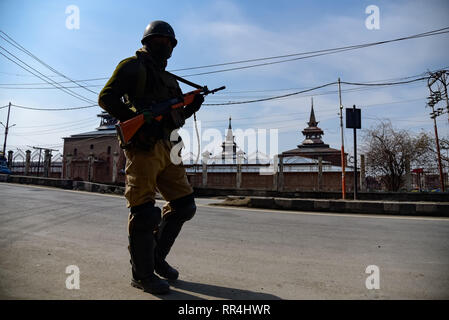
x=159 y=28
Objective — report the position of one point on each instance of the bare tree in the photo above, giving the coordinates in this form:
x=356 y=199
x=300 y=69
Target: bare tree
x=387 y=152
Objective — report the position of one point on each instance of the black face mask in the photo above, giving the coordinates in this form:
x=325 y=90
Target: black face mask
x=160 y=52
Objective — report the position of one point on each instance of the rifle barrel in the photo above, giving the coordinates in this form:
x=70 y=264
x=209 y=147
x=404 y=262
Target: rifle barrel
x=217 y=89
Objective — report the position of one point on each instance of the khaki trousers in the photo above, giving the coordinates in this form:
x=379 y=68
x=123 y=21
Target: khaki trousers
x=148 y=171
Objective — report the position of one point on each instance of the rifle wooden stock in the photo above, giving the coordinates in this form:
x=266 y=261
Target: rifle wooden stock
x=127 y=129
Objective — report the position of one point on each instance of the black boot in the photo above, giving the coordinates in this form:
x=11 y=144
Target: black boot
x=141 y=248
x=163 y=269
x=153 y=284
x=166 y=236
x=181 y=210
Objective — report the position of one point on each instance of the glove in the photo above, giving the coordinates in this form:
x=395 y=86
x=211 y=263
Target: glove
x=196 y=104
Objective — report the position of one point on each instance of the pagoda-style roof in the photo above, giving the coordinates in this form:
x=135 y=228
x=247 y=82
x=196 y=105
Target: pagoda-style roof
x=312 y=133
x=313 y=146
x=106 y=128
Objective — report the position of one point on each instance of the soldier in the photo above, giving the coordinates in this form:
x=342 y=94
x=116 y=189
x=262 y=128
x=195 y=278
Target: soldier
x=136 y=83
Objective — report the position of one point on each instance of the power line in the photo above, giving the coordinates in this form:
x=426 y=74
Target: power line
x=38 y=88
x=22 y=74
x=42 y=83
x=438 y=31
x=56 y=109
x=361 y=88
x=315 y=53
x=254 y=100
x=56 y=124
x=221 y=93
x=55 y=131
x=18 y=46
x=270 y=98
x=315 y=88
x=365 y=84
x=262 y=64
x=309 y=53
x=323 y=108
x=383 y=84
x=42 y=76
x=89 y=123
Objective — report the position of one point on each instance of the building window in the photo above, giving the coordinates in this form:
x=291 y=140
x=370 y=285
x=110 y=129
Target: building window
x=75 y=151
x=91 y=147
x=109 y=150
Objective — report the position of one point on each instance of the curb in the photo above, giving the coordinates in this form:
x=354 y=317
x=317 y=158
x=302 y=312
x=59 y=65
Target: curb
x=63 y=184
x=68 y=184
x=435 y=209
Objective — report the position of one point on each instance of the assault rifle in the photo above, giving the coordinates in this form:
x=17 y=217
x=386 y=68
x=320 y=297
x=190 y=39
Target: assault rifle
x=127 y=129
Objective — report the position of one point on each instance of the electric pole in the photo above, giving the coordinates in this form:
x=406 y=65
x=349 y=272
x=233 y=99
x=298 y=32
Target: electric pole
x=434 y=98
x=6 y=129
x=434 y=114
x=441 y=77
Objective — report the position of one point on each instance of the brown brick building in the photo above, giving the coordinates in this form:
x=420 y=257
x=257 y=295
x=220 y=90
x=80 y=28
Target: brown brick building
x=95 y=156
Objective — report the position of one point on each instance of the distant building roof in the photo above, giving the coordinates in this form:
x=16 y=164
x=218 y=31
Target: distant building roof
x=91 y=134
x=313 y=144
x=106 y=128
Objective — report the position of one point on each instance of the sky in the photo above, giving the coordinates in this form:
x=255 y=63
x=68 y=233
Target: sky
x=214 y=32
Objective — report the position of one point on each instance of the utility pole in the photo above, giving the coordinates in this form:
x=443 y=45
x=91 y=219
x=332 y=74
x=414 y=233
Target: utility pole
x=434 y=98
x=434 y=116
x=343 y=174
x=6 y=129
x=444 y=81
x=440 y=76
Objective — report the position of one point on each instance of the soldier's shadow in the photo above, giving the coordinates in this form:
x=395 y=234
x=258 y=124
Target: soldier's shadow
x=212 y=292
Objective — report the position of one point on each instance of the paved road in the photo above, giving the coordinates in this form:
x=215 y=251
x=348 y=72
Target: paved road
x=223 y=253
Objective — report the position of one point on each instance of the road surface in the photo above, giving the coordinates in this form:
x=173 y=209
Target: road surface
x=223 y=253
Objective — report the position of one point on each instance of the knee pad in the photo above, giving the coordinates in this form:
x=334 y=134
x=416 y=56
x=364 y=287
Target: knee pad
x=145 y=217
x=184 y=208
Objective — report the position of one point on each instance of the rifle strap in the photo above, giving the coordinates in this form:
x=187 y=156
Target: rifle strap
x=187 y=82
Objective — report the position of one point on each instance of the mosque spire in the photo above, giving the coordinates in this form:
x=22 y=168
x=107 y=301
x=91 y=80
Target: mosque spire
x=312 y=121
